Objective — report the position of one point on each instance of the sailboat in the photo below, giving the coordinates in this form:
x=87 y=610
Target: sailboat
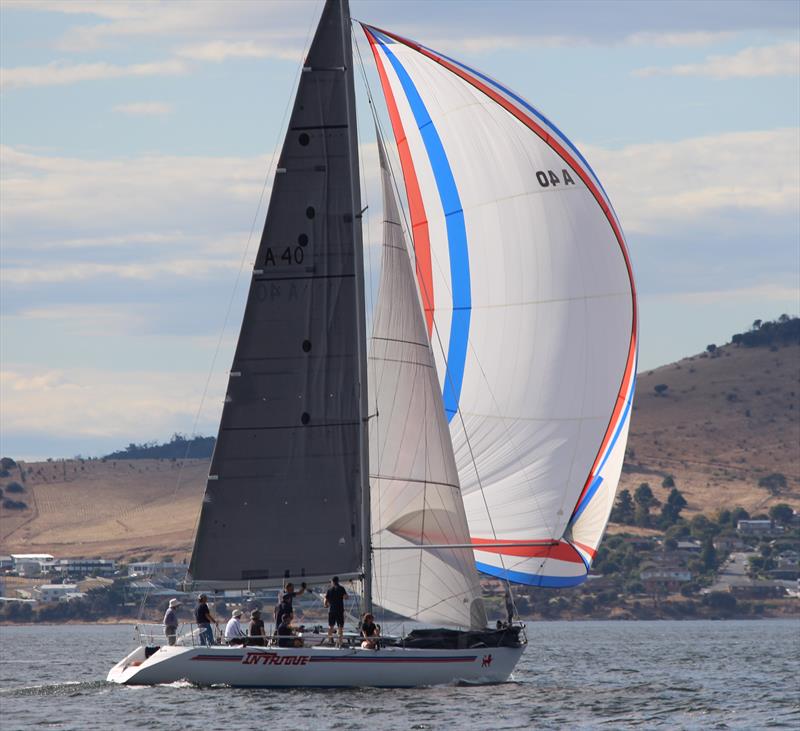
x=481 y=429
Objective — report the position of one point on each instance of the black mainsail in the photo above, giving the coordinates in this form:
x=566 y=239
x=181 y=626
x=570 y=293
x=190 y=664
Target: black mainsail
x=284 y=496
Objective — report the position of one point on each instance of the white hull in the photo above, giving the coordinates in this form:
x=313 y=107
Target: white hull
x=316 y=666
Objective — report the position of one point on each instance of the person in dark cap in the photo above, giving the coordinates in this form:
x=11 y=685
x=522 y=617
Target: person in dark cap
x=257 y=635
x=334 y=600
x=204 y=618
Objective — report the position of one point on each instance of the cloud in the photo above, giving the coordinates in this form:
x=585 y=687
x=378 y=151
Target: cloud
x=59 y=73
x=764 y=294
x=197 y=268
x=91 y=197
x=663 y=185
x=99 y=403
x=678 y=38
x=218 y=51
x=782 y=59
x=145 y=109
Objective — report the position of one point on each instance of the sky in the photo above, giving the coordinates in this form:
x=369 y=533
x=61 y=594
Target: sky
x=138 y=141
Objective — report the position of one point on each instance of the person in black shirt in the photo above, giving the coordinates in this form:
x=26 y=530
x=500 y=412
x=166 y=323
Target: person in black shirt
x=204 y=618
x=285 y=632
x=370 y=632
x=334 y=600
x=256 y=633
x=285 y=602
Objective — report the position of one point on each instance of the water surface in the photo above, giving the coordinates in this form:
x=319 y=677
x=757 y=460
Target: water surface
x=574 y=675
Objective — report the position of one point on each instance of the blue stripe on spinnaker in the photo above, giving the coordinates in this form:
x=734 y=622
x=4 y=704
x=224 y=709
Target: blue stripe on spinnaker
x=456 y=239
x=536 y=113
x=519 y=577
x=597 y=480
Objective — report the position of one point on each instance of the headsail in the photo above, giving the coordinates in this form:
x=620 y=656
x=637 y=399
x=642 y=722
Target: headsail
x=528 y=291
x=415 y=494
x=284 y=491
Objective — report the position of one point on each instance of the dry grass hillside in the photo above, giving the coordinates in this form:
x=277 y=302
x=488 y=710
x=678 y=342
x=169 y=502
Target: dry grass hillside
x=113 y=508
x=722 y=424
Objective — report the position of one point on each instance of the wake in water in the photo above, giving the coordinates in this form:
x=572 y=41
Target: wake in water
x=69 y=689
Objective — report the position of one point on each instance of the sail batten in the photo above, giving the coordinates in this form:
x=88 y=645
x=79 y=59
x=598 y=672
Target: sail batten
x=539 y=394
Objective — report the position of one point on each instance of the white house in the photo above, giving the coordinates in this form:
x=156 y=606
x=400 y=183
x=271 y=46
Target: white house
x=57 y=592
x=32 y=564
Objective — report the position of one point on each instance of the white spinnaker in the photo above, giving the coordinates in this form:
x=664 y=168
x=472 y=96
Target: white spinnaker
x=534 y=310
x=415 y=496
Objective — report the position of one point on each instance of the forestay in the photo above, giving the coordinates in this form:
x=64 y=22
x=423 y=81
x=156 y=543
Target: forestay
x=415 y=494
x=530 y=303
x=284 y=492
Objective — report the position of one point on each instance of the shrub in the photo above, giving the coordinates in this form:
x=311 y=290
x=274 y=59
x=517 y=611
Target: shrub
x=774 y=482
x=14 y=504
x=14 y=487
x=660 y=389
x=7 y=463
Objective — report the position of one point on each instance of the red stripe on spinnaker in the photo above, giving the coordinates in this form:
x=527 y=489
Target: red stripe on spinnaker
x=559 y=550
x=535 y=127
x=419 y=220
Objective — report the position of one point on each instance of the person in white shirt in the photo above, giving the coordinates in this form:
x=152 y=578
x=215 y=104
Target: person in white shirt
x=234 y=632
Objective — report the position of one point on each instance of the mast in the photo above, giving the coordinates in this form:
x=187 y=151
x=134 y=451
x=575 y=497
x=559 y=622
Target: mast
x=360 y=313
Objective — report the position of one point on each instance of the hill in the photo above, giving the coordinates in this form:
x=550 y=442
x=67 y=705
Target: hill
x=718 y=423
x=725 y=421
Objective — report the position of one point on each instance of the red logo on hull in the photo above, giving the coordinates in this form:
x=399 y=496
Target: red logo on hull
x=272 y=658
x=487 y=661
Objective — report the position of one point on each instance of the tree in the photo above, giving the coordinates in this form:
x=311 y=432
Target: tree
x=781 y=513
x=711 y=349
x=7 y=463
x=660 y=389
x=644 y=495
x=644 y=501
x=14 y=487
x=623 y=511
x=702 y=527
x=737 y=514
x=775 y=483
x=756 y=324
x=671 y=511
x=668 y=481
x=709 y=554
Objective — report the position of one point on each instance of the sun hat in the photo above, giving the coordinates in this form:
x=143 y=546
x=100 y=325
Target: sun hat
x=236 y=613
x=174 y=603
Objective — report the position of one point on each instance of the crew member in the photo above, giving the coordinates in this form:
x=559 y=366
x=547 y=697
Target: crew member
x=370 y=632
x=204 y=618
x=285 y=602
x=234 y=632
x=171 y=621
x=257 y=634
x=334 y=600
